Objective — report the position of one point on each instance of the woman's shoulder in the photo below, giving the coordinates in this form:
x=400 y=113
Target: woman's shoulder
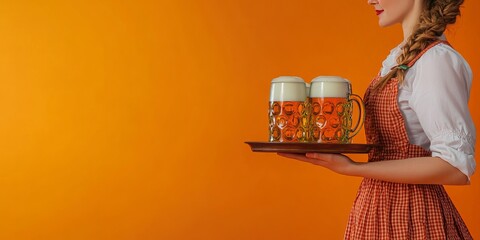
x=443 y=53
x=439 y=67
x=443 y=59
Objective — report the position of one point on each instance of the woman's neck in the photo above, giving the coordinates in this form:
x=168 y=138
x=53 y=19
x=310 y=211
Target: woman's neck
x=410 y=21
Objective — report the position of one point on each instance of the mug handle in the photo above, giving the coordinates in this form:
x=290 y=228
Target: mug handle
x=361 y=116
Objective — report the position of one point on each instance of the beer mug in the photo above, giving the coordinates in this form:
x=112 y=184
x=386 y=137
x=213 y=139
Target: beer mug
x=331 y=103
x=288 y=110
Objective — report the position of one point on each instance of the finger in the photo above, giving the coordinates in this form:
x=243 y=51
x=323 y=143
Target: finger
x=297 y=156
x=292 y=155
x=323 y=156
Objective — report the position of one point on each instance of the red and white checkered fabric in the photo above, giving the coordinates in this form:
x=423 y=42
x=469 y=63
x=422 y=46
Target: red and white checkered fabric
x=387 y=210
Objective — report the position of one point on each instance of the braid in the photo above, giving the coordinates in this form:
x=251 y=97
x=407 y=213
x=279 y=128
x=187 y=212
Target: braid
x=436 y=16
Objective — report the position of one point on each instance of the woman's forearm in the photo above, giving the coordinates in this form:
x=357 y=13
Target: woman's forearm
x=424 y=170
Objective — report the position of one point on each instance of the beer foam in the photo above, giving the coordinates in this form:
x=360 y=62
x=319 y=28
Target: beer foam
x=330 y=86
x=289 y=79
x=288 y=88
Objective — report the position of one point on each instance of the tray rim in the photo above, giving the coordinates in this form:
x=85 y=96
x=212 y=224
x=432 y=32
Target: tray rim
x=305 y=147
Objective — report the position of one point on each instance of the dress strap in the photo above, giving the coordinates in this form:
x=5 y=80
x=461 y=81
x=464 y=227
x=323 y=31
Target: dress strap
x=411 y=63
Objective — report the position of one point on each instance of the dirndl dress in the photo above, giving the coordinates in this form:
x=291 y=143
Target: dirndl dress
x=388 y=210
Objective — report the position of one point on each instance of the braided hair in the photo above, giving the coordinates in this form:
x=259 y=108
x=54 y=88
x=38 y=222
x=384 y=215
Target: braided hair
x=436 y=16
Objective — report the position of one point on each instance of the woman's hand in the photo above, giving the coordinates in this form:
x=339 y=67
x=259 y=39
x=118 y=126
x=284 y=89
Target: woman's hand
x=336 y=162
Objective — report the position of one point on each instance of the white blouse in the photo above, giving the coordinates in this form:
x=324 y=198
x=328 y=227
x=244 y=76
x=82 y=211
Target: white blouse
x=434 y=102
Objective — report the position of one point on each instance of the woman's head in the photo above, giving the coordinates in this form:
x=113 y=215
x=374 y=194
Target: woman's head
x=431 y=22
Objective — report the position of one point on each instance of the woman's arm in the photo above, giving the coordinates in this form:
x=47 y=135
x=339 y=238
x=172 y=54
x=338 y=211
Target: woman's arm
x=424 y=170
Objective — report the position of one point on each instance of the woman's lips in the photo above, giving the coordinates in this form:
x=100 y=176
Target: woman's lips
x=379 y=12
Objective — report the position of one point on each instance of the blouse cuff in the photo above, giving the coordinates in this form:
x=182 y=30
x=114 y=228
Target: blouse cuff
x=457 y=149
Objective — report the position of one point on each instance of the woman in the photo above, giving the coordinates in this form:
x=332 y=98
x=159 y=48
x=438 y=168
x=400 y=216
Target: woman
x=417 y=113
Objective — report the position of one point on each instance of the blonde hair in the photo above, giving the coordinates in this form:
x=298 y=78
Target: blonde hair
x=436 y=16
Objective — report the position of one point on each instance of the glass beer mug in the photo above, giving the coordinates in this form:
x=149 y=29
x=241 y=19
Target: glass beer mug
x=331 y=103
x=288 y=110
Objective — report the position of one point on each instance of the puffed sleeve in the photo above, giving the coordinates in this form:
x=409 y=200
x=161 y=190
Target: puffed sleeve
x=440 y=94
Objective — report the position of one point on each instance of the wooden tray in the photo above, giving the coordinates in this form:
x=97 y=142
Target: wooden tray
x=298 y=147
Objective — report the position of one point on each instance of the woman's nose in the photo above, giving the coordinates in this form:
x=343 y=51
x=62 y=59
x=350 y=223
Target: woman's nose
x=372 y=2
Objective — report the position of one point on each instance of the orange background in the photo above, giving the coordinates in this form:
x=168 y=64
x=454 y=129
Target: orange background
x=127 y=119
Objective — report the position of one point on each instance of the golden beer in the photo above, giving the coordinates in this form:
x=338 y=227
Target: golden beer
x=330 y=120
x=288 y=121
